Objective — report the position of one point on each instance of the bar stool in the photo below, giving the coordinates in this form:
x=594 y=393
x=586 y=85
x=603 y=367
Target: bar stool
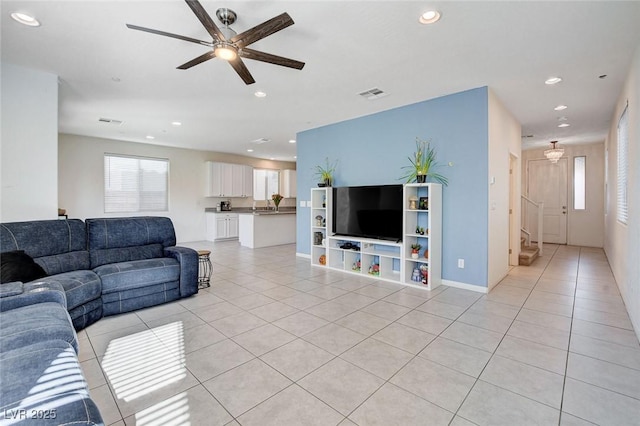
x=205 y=268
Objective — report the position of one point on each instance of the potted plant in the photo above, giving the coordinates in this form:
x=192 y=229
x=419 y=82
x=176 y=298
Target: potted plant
x=325 y=173
x=423 y=162
x=276 y=200
x=415 y=250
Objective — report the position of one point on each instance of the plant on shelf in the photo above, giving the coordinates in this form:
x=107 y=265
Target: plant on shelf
x=423 y=164
x=325 y=173
x=276 y=200
x=415 y=250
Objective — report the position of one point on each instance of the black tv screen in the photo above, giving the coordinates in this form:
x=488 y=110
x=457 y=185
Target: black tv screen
x=368 y=211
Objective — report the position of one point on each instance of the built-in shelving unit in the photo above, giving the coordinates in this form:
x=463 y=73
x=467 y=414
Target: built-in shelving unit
x=380 y=259
x=320 y=221
x=374 y=258
x=422 y=225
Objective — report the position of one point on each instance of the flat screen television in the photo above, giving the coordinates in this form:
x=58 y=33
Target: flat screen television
x=368 y=211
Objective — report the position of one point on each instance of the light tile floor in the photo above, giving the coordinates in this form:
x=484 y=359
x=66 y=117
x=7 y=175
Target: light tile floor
x=275 y=341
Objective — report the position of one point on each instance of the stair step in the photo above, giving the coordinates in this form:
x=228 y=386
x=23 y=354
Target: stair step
x=528 y=255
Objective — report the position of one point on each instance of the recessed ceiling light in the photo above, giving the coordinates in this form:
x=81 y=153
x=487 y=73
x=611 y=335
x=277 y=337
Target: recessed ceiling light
x=260 y=94
x=150 y=137
x=564 y=125
x=560 y=107
x=603 y=76
x=292 y=141
x=271 y=158
x=249 y=150
x=429 y=17
x=563 y=118
x=553 y=80
x=115 y=79
x=176 y=123
x=25 y=19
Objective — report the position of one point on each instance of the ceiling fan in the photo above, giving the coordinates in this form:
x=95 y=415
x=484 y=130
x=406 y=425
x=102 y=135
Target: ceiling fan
x=229 y=45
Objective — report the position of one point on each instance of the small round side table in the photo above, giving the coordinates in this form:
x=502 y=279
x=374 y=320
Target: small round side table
x=205 y=268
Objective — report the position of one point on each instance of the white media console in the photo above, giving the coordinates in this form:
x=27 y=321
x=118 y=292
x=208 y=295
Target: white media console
x=381 y=259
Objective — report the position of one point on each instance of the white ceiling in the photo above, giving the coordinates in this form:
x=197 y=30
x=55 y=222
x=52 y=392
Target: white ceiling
x=348 y=47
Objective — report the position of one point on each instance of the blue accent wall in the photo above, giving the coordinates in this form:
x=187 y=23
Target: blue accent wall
x=372 y=150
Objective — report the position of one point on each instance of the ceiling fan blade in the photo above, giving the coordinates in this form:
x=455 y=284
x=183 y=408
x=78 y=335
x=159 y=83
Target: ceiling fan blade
x=262 y=30
x=166 y=34
x=272 y=59
x=200 y=59
x=206 y=20
x=242 y=70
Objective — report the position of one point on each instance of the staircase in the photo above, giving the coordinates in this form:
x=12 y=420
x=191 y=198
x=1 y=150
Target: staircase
x=530 y=210
x=527 y=253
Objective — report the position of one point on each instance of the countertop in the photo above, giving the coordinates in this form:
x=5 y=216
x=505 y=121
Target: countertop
x=258 y=212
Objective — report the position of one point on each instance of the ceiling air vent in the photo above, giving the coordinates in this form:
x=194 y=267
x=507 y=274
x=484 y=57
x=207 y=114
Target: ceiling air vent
x=261 y=141
x=110 y=121
x=374 y=93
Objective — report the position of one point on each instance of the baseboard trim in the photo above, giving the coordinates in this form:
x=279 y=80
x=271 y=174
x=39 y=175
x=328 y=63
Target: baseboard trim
x=304 y=255
x=465 y=286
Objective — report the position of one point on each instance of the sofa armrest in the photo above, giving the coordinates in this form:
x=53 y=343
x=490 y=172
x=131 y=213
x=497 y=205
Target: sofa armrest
x=17 y=294
x=188 y=260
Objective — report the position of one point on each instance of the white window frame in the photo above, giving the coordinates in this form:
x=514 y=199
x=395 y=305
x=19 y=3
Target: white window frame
x=262 y=190
x=580 y=183
x=622 y=211
x=124 y=188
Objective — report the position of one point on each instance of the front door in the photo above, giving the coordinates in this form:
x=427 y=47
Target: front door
x=547 y=182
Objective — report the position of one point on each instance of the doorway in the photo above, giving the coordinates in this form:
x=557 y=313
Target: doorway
x=547 y=183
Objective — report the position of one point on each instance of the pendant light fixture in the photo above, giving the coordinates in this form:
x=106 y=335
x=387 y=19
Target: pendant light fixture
x=554 y=153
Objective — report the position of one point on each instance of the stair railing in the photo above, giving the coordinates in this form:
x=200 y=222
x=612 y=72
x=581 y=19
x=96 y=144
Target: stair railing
x=532 y=208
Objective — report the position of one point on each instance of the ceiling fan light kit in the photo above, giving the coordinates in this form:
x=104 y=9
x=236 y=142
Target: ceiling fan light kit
x=228 y=45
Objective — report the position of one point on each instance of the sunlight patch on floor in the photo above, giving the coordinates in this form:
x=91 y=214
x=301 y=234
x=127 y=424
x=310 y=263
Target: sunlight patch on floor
x=170 y=412
x=144 y=362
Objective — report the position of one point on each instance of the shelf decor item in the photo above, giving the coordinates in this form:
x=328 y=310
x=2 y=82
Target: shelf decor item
x=413 y=200
x=319 y=220
x=325 y=173
x=424 y=270
x=424 y=203
x=276 y=200
x=415 y=250
x=423 y=165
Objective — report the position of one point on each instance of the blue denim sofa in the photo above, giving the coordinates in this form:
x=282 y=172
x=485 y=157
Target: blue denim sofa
x=107 y=266
x=41 y=380
x=95 y=268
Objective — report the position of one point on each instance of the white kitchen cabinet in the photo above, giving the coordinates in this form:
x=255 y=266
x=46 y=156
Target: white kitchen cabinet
x=289 y=184
x=222 y=226
x=229 y=180
x=242 y=180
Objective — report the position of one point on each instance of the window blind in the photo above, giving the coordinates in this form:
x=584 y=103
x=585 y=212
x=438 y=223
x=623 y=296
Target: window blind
x=135 y=184
x=623 y=149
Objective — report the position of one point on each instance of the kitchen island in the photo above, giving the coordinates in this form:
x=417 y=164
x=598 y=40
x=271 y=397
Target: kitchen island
x=265 y=228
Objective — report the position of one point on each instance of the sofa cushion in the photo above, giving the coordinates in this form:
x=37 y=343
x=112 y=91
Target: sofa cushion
x=36 y=323
x=125 y=254
x=44 y=379
x=64 y=262
x=16 y=265
x=43 y=238
x=129 y=232
x=80 y=287
x=123 y=276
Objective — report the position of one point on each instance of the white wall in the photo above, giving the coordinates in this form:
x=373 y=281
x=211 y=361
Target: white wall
x=504 y=140
x=584 y=227
x=622 y=242
x=81 y=180
x=29 y=146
